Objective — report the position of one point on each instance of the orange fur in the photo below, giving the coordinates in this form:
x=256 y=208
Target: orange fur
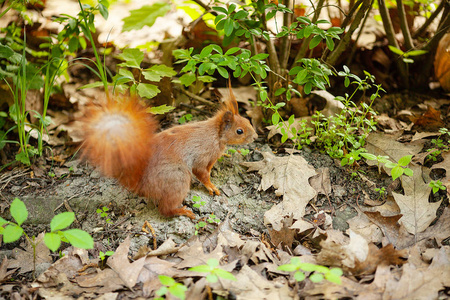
x=121 y=140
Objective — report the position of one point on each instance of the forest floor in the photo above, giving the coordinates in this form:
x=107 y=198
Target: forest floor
x=276 y=203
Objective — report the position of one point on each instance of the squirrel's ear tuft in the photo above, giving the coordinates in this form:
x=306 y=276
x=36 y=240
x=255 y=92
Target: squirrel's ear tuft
x=231 y=103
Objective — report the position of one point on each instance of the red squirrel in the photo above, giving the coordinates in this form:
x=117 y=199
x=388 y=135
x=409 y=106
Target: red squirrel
x=121 y=140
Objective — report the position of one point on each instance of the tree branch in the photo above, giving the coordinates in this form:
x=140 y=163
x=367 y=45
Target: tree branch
x=343 y=43
x=427 y=23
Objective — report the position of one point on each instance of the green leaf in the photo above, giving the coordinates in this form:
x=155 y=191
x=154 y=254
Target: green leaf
x=232 y=50
x=241 y=14
x=12 y=233
x=224 y=274
x=316 y=277
x=201 y=269
x=405 y=160
x=212 y=278
x=160 y=110
x=79 y=238
x=336 y=271
x=156 y=72
x=308 y=30
x=52 y=241
x=6 y=52
x=396 y=172
x=62 y=221
x=368 y=156
x=147 y=90
x=133 y=58
x=228 y=27
x=333 y=278
x=178 y=290
x=223 y=72
x=3 y=221
x=145 y=16
x=187 y=79
x=315 y=41
x=330 y=43
x=275 y=119
x=260 y=56
x=415 y=52
x=212 y=262
x=396 y=50
x=19 y=211
x=307 y=88
x=103 y=11
x=299 y=276
x=287 y=268
x=389 y=164
x=408 y=172
x=166 y=280
x=220 y=9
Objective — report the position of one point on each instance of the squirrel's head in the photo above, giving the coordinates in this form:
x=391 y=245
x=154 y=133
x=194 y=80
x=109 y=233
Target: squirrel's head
x=234 y=129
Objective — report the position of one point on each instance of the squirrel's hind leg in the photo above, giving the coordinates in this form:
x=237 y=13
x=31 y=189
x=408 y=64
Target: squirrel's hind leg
x=170 y=189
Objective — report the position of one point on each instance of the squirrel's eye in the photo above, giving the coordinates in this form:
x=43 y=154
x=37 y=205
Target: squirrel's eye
x=239 y=131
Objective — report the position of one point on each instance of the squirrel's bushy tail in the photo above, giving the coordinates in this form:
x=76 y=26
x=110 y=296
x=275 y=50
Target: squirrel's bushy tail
x=117 y=138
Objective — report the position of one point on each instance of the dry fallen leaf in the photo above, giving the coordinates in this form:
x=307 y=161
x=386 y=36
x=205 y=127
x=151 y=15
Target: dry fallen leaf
x=417 y=282
x=23 y=259
x=289 y=176
x=417 y=212
x=128 y=272
x=430 y=120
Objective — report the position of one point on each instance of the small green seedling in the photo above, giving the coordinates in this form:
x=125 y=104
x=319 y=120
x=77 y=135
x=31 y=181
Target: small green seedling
x=212 y=218
x=406 y=55
x=185 y=118
x=213 y=271
x=202 y=224
x=102 y=255
x=398 y=169
x=198 y=202
x=170 y=286
x=381 y=192
x=244 y=152
x=320 y=272
x=103 y=212
x=436 y=185
x=13 y=231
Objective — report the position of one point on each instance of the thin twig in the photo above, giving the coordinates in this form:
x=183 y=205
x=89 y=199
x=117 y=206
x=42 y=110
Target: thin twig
x=427 y=23
x=198 y=98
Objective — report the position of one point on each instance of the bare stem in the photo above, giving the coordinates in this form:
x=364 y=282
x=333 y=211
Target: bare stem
x=404 y=25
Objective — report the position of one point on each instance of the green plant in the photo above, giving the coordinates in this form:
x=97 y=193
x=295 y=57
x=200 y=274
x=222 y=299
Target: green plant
x=213 y=271
x=439 y=145
x=103 y=212
x=398 y=169
x=102 y=255
x=170 y=286
x=406 y=55
x=198 y=202
x=318 y=272
x=212 y=218
x=436 y=185
x=12 y=231
x=185 y=118
x=381 y=192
